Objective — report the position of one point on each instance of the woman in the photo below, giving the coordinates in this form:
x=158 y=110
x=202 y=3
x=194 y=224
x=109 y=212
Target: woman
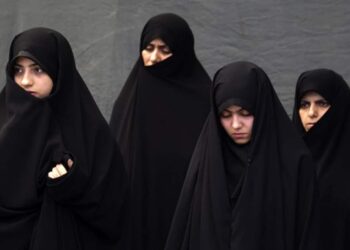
x=322 y=115
x=250 y=184
x=156 y=120
x=62 y=179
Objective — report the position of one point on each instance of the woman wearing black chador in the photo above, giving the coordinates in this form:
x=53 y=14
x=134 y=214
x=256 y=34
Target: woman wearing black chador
x=62 y=179
x=250 y=183
x=322 y=116
x=156 y=121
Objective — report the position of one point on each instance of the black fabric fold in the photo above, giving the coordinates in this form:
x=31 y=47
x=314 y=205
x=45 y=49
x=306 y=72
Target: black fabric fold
x=271 y=200
x=329 y=143
x=156 y=121
x=82 y=209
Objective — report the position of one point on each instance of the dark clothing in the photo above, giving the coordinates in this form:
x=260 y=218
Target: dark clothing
x=156 y=121
x=329 y=143
x=79 y=210
x=255 y=196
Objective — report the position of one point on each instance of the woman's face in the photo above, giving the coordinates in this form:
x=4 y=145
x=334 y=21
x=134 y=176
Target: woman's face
x=155 y=52
x=312 y=107
x=31 y=77
x=238 y=124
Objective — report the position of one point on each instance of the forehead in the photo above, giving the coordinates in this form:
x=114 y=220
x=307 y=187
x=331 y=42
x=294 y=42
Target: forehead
x=311 y=96
x=23 y=61
x=233 y=108
x=158 y=42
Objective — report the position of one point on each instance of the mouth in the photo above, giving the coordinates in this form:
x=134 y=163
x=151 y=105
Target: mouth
x=32 y=93
x=239 y=135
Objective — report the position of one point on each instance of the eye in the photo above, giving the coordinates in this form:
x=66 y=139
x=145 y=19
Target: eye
x=38 y=70
x=149 y=48
x=17 y=70
x=304 y=104
x=166 y=50
x=323 y=103
x=244 y=112
x=225 y=114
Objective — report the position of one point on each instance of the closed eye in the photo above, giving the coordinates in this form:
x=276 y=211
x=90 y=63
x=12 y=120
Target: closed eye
x=149 y=48
x=165 y=49
x=225 y=114
x=244 y=112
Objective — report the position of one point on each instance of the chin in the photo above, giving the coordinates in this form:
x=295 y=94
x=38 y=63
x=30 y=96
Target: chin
x=241 y=142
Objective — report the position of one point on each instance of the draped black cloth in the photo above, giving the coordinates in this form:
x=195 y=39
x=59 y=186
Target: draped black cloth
x=255 y=196
x=82 y=209
x=156 y=121
x=329 y=142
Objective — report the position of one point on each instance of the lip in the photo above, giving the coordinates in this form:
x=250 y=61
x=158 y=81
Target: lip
x=239 y=135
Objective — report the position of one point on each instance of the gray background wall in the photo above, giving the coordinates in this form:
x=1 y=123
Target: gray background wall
x=283 y=37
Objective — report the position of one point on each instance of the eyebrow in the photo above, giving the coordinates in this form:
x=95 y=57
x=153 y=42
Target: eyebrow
x=160 y=46
x=321 y=100
x=240 y=109
x=30 y=65
x=317 y=100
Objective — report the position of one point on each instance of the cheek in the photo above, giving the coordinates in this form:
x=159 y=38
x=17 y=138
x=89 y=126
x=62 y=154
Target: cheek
x=249 y=124
x=49 y=84
x=17 y=79
x=163 y=57
x=145 y=56
x=49 y=87
x=225 y=123
x=302 y=114
x=46 y=86
x=323 y=111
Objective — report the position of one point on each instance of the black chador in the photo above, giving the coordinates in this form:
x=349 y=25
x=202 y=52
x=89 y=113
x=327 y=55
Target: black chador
x=259 y=195
x=81 y=209
x=156 y=121
x=329 y=143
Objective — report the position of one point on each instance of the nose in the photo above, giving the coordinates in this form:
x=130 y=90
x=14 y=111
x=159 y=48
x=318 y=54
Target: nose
x=236 y=122
x=312 y=111
x=154 y=56
x=26 y=80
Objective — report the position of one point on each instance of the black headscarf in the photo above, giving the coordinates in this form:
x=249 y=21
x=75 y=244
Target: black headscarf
x=82 y=209
x=329 y=142
x=156 y=120
x=270 y=204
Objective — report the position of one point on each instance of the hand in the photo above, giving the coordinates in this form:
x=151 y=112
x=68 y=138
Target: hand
x=59 y=170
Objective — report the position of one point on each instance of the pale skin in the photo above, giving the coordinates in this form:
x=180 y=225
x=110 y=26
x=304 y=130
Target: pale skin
x=312 y=107
x=33 y=79
x=156 y=51
x=59 y=170
x=238 y=124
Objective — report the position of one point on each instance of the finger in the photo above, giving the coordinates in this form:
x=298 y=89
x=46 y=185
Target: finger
x=61 y=170
x=52 y=175
x=55 y=172
x=70 y=163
